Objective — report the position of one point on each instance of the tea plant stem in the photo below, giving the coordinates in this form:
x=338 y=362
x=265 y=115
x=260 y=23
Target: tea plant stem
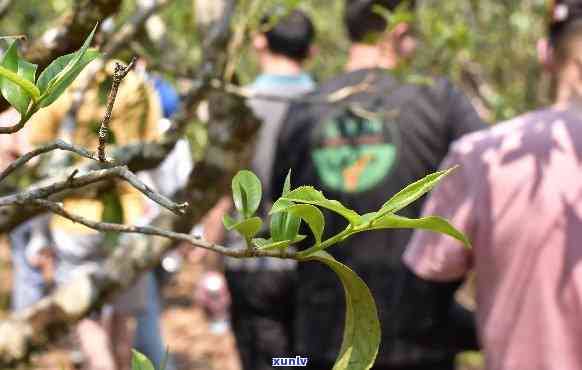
x=349 y=230
x=118 y=75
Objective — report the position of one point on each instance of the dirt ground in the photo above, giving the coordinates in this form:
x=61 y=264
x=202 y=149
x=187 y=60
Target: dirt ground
x=185 y=327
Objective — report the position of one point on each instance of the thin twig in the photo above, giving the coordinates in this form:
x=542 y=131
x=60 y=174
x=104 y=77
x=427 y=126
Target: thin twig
x=155 y=231
x=72 y=182
x=20 y=37
x=72 y=176
x=14 y=128
x=153 y=195
x=118 y=75
x=58 y=144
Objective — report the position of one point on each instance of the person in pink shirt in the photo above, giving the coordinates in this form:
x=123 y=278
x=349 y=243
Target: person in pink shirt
x=517 y=195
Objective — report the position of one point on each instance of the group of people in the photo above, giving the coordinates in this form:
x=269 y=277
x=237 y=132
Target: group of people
x=515 y=195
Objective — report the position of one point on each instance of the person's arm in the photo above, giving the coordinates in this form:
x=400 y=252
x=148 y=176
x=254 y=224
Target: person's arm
x=436 y=265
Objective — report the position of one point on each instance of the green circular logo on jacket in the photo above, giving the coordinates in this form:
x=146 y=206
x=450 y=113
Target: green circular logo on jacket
x=353 y=153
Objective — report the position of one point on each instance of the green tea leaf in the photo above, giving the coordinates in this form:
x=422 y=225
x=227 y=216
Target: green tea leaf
x=309 y=195
x=140 y=362
x=261 y=242
x=284 y=226
x=312 y=216
x=361 y=338
x=269 y=244
x=413 y=191
x=53 y=81
x=17 y=80
x=63 y=65
x=228 y=222
x=432 y=223
x=247 y=228
x=246 y=192
x=52 y=70
x=279 y=220
x=287 y=185
x=59 y=81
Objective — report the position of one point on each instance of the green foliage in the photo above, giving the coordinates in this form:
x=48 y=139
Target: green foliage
x=247 y=228
x=62 y=71
x=17 y=78
x=311 y=215
x=413 y=191
x=140 y=362
x=284 y=225
x=269 y=244
x=246 y=192
x=432 y=223
x=17 y=86
x=362 y=329
x=309 y=195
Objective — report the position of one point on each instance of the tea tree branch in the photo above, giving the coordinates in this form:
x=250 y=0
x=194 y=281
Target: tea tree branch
x=72 y=182
x=58 y=144
x=118 y=75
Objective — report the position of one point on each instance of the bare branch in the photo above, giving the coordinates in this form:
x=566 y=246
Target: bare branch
x=155 y=231
x=58 y=144
x=137 y=157
x=14 y=128
x=130 y=177
x=73 y=182
x=118 y=75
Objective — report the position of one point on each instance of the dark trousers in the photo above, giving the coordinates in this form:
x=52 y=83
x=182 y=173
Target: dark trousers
x=262 y=315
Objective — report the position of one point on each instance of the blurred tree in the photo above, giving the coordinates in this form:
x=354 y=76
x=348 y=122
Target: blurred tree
x=489 y=48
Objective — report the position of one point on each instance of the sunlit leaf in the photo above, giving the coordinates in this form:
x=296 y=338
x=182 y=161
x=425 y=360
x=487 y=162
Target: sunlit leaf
x=140 y=362
x=287 y=185
x=17 y=80
x=311 y=215
x=432 y=223
x=269 y=244
x=413 y=191
x=309 y=195
x=60 y=83
x=53 y=81
x=247 y=228
x=284 y=226
x=361 y=338
x=246 y=192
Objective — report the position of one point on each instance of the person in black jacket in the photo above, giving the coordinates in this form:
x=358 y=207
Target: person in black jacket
x=360 y=138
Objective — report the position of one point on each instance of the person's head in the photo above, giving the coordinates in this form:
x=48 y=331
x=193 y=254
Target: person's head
x=366 y=25
x=290 y=37
x=561 y=52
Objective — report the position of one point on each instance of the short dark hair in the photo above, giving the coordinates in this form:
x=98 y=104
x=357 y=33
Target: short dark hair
x=291 y=36
x=561 y=14
x=565 y=22
x=361 y=20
